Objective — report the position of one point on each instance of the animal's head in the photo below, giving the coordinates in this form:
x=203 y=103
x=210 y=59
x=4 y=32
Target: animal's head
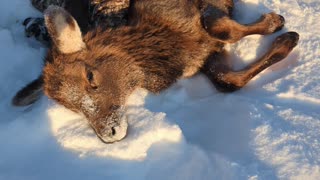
x=84 y=76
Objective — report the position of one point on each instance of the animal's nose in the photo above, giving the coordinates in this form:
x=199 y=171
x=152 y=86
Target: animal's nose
x=114 y=133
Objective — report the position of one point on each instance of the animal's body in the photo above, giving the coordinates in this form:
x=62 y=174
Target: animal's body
x=163 y=41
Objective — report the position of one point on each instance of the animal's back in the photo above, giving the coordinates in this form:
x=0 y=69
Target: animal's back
x=179 y=15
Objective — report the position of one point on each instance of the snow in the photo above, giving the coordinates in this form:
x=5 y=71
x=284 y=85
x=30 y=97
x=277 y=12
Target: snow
x=267 y=130
x=146 y=129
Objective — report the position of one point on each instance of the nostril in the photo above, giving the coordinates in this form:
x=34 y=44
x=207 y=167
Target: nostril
x=113 y=131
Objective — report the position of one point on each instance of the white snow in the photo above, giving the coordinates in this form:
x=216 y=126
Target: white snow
x=267 y=130
x=146 y=129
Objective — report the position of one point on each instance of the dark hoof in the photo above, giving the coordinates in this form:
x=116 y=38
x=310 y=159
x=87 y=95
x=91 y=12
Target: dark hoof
x=26 y=21
x=282 y=22
x=282 y=19
x=290 y=39
x=282 y=46
x=294 y=36
x=35 y=27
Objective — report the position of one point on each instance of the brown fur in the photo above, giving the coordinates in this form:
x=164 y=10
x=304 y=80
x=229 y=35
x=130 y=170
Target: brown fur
x=166 y=40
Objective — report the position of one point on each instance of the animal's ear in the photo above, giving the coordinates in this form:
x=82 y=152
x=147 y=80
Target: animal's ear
x=29 y=94
x=64 y=30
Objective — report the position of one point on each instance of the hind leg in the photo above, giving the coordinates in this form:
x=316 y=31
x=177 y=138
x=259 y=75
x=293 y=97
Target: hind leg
x=218 y=23
x=227 y=80
x=34 y=26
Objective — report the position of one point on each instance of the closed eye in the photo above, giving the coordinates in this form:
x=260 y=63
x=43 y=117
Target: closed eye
x=90 y=78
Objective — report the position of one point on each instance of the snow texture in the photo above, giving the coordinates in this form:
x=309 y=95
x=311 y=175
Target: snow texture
x=267 y=130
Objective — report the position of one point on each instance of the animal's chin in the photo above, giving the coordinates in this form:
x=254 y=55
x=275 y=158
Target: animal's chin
x=113 y=133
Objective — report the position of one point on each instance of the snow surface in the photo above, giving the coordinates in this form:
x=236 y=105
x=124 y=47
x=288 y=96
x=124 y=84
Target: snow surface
x=267 y=130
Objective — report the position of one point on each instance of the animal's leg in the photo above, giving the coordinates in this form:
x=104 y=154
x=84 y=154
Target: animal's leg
x=36 y=27
x=217 y=21
x=227 y=80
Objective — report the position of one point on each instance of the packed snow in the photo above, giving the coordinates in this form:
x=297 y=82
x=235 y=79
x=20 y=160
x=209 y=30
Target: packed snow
x=267 y=130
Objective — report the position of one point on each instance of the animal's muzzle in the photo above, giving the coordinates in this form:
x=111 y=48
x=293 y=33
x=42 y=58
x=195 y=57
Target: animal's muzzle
x=115 y=133
x=111 y=129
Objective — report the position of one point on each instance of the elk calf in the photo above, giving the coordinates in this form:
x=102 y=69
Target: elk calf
x=165 y=40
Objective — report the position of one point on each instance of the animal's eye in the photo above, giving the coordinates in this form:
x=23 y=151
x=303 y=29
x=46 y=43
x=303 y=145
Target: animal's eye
x=90 y=76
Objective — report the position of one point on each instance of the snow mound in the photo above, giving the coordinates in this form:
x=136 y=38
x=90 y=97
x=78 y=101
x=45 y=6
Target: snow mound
x=145 y=129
